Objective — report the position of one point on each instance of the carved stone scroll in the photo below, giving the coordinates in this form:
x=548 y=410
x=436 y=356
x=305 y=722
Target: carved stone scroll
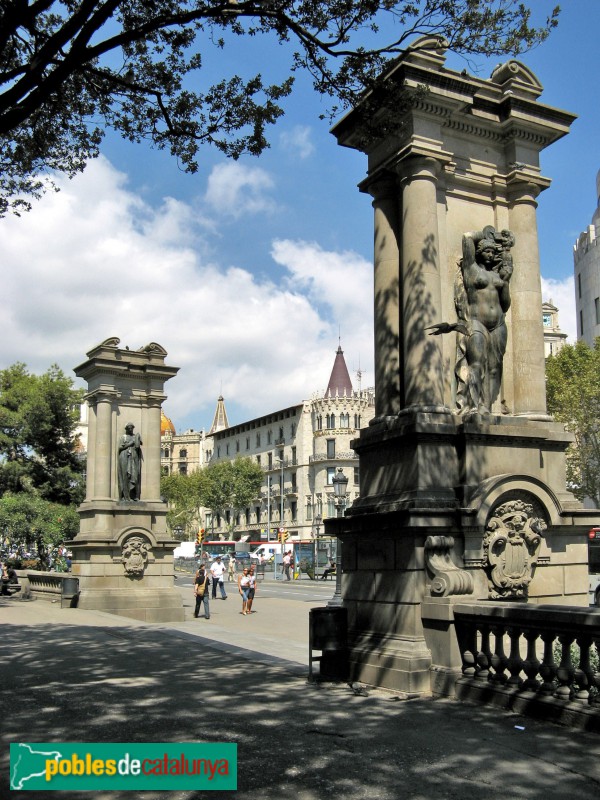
x=448 y=579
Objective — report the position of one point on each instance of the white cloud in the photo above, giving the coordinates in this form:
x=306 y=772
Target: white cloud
x=562 y=295
x=298 y=141
x=236 y=189
x=95 y=261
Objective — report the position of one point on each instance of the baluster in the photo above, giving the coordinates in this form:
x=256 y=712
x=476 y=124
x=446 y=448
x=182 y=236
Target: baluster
x=584 y=676
x=498 y=660
x=548 y=668
x=531 y=665
x=467 y=642
x=515 y=662
x=565 y=671
x=485 y=654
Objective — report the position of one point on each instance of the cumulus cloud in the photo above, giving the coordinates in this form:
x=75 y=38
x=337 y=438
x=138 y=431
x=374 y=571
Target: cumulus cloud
x=562 y=295
x=95 y=261
x=236 y=189
x=297 y=141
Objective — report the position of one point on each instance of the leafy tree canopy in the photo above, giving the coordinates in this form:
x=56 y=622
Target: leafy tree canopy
x=185 y=496
x=232 y=485
x=31 y=522
x=70 y=70
x=38 y=418
x=573 y=395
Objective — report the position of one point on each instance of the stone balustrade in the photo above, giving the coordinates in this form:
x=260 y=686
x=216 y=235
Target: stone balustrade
x=537 y=660
x=42 y=585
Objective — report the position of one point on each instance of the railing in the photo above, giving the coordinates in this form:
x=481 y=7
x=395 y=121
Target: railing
x=43 y=585
x=542 y=660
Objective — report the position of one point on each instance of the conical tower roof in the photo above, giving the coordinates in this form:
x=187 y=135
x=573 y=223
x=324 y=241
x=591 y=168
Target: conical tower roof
x=339 y=382
x=220 y=421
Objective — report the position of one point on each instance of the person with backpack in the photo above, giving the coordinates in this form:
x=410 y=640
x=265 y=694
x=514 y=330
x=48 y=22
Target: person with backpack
x=201 y=585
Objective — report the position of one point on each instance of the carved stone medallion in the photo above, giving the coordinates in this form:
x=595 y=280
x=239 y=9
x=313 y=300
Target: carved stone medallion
x=135 y=555
x=511 y=545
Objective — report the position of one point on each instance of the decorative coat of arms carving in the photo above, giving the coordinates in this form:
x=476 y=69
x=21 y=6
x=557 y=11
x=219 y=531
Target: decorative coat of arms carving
x=511 y=546
x=135 y=555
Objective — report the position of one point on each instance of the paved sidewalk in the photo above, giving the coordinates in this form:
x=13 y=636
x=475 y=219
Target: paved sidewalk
x=70 y=675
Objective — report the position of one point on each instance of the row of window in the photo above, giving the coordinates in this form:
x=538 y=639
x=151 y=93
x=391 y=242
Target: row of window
x=330 y=421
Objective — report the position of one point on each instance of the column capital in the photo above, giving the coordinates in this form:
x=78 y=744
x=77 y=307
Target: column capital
x=520 y=191
x=419 y=167
x=101 y=396
x=380 y=186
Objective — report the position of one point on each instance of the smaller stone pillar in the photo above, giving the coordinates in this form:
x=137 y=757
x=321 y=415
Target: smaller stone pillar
x=123 y=555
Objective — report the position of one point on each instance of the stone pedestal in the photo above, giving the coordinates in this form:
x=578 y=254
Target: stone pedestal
x=122 y=554
x=453 y=506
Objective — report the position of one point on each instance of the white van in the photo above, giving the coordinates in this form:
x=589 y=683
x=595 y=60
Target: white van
x=267 y=551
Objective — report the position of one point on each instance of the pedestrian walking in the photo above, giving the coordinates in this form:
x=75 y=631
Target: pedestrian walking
x=287 y=561
x=217 y=571
x=231 y=568
x=201 y=585
x=251 y=590
x=244 y=589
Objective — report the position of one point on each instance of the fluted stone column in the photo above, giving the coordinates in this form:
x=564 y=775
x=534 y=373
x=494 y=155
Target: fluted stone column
x=526 y=306
x=421 y=283
x=386 y=296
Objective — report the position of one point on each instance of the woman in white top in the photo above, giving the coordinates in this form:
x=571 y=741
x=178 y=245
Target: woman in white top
x=244 y=589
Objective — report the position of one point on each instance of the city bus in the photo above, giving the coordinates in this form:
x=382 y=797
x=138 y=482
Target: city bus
x=594 y=565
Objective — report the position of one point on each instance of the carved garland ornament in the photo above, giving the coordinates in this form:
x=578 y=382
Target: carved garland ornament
x=511 y=546
x=136 y=551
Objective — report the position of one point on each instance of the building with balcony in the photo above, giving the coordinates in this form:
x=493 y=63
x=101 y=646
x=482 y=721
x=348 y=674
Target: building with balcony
x=586 y=256
x=299 y=449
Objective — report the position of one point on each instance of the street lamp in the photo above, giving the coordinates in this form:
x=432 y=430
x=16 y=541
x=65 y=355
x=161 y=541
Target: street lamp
x=318 y=521
x=340 y=484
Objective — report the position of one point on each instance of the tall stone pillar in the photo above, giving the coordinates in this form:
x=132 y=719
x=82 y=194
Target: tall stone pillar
x=526 y=309
x=421 y=283
x=452 y=467
x=386 y=296
x=123 y=555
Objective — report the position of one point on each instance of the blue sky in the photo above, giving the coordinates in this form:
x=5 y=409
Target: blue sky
x=248 y=271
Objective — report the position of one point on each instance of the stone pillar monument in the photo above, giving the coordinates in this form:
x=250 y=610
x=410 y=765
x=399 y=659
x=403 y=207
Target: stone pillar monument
x=462 y=473
x=122 y=554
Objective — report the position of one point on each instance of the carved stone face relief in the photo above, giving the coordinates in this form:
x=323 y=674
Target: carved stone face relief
x=511 y=546
x=135 y=555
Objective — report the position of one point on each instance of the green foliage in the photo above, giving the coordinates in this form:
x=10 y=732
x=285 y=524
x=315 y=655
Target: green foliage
x=38 y=417
x=185 y=495
x=70 y=70
x=31 y=521
x=224 y=486
x=232 y=485
x=573 y=396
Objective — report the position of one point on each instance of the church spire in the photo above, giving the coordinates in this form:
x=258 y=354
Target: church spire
x=220 y=421
x=339 y=382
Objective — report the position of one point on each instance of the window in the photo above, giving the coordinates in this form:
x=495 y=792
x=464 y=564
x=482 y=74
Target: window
x=258 y=439
x=183 y=469
x=247 y=443
x=357 y=420
x=269 y=437
x=258 y=460
x=330 y=448
x=344 y=420
x=308 y=508
x=227 y=449
x=330 y=475
x=319 y=422
x=294 y=455
x=219 y=451
x=294 y=510
x=281 y=433
x=581 y=322
x=579 y=284
x=547 y=320
x=356 y=476
x=237 y=446
x=293 y=428
x=257 y=512
x=183 y=454
x=597 y=304
x=293 y=479
x=270 y=460
x=330 y=421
